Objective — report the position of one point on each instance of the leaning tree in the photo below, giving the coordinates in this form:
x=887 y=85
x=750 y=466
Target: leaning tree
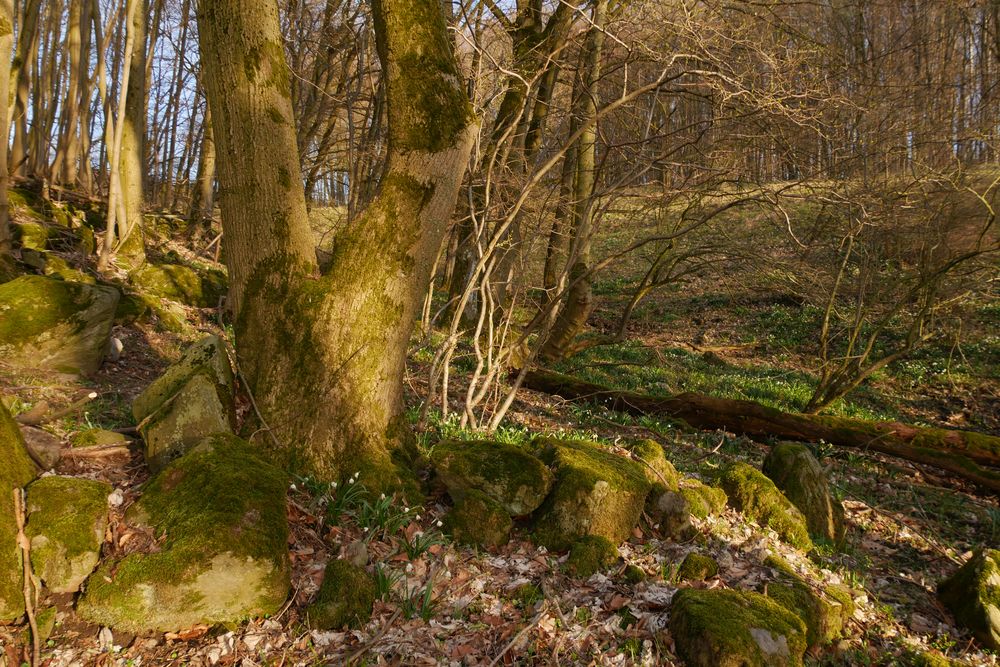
x=322 y=350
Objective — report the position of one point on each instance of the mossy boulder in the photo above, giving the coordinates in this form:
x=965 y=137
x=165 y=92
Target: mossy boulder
x=697 y=567
x=794 y=470
x=672 y=510
x=591 y=554
x=17 y=471
x=59 y=268
x=55 y=324
x=752 y=493
x=972 y=595
x=32 y=235
x=730 y=628
x=67 y=517
x=224 y=557
x=97 y=437
x=478 y=519
x=660 y=472
x=191 y=400
x=508 y=474
x=178 y=283
x=824 y=609
x=596 y=492
x=345 y=597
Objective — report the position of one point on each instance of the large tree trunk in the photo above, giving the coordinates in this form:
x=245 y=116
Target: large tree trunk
x=203 y=194
x=6 y=44
x=323 y=354
x=958 y=452
x=27 y=47
x=132 y=165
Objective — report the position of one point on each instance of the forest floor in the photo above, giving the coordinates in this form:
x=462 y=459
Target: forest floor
x=909 y=526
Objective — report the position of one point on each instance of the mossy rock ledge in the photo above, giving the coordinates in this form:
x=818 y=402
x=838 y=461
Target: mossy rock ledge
x=660 y=472
x=67 y=517
x=190 y=401
x=345 y=597
x=794 y=470
x=591 y=554
x=730 y=628
x=55 y=325
x=756 y=496
x=508 y=474
x=672 y=510
x=17 y=471
x=225 y=554
x=972 y=595
x=697 y=567
x=478 y=519
x=179 y=283
x=596 y=492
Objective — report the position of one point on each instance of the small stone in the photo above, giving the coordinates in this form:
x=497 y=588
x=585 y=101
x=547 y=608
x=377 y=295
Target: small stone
x=696 y=567
x=45 y=448
x=115 y=347
x=356 y=553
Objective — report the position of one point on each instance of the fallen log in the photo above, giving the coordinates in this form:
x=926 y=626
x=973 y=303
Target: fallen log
x=962 y=453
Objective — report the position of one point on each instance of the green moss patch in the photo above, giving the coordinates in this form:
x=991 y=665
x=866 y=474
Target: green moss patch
x=703 y=500
x=756 y=496
x=794 y=470
x=509 y=475
x=972 y=595
x=596 y=493
x=697 y=567
x=729 y=628
x=591 y=554
x=179 y=283
x=345 y=597
x=55 y=324
x=659 y=471
x=97 y=437
x=479 y=520
x=224 y=558
x=67 y=517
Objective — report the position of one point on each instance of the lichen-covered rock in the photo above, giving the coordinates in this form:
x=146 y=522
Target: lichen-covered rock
x=596 y=492
x=67 y=517
x=756 y=496
x=972 y=595
x=660 y=472
x=15 y=472
x=479 y=520
x=672 y=510
x=191 y=400
x=43 y=447
x=591 y=554
x=730 y=628
x=55 y=324
x=177 y=282
x=345 y=597
x=794 y=470
x=697 y=567
x=97 y=437
x=825 y=611
x=225 y=553
x=507 y=474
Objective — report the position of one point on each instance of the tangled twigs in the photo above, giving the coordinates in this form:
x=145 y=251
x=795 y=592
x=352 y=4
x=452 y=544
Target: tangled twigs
x=29 y=582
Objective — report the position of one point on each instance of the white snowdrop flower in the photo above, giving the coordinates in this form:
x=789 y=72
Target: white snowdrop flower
x=293 y=487
x=439 y=523
x=365 y=529
x=382 y=497
x=357 y=474
x=406 y=509
x=417 y=517
x=350 y=481
x=333 y=485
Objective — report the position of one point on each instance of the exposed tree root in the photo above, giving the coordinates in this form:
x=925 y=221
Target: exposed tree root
x=961 y=453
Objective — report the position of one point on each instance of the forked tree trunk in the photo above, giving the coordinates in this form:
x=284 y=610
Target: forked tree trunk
x=323 y=354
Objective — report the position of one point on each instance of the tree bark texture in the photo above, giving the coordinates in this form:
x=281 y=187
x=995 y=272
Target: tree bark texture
x=324 y=353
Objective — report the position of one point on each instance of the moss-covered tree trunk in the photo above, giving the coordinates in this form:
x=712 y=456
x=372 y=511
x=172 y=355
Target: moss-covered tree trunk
x=324 y=353
x=6 y=45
